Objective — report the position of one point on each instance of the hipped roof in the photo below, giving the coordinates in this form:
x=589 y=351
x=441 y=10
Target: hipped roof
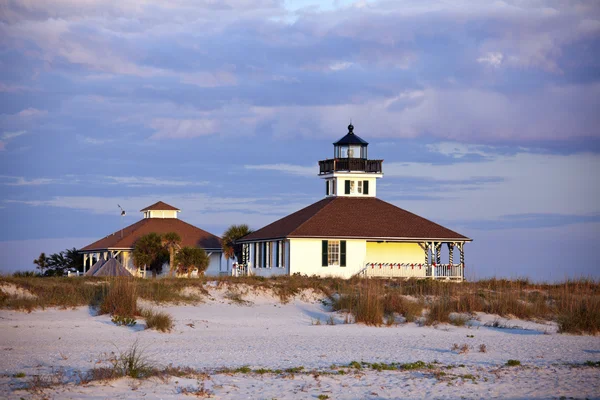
x=354 y=217
x=112 y=268
x=160 y=206
x=190 y=235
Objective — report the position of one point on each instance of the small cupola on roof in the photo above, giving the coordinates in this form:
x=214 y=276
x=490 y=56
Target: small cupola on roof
x=160 y=210
x=350 y=172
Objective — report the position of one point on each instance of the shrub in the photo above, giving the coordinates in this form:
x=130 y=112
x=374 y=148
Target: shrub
x=158 y=320
x=132 y=363
x=121 y=298
x=123 y=321
x=414 y=365
x=513 y=363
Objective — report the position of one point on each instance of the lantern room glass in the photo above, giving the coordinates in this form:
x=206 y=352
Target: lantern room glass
x=350 y=151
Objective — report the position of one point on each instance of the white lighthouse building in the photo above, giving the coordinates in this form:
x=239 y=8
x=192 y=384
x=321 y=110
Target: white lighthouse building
x=352 y=232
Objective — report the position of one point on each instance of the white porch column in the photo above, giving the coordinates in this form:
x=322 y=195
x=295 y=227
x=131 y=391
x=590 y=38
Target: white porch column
x=85 y=261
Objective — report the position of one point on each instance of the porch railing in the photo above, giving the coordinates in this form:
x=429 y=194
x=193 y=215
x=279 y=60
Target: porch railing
x=413 y=270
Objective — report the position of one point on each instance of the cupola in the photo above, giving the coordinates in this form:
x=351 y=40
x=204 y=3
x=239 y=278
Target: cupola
x=350 y=172
x=160 y=210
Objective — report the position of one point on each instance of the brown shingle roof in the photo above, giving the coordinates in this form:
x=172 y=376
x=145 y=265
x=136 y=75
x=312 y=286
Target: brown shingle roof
x=190 y=235
x=366 y=217
x=160 y=206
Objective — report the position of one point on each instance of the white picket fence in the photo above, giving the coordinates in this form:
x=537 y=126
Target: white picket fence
x=413 y=270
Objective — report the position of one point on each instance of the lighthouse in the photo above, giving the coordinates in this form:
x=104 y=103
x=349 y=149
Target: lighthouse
x=350 y=173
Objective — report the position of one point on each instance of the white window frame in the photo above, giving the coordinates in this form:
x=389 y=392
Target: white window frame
x=359 y=187
x=333 y=253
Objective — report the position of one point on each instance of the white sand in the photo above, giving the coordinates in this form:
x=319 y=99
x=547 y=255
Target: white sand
x=267 y=334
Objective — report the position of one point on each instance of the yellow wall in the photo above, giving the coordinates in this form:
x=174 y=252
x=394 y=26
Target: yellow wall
x=396 y=253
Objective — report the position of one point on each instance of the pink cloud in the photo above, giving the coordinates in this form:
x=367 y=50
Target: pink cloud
x=32 y=112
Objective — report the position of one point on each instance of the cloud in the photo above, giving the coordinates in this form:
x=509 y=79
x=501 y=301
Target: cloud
x=135 y=181
x=170 y=128
x=31 y=112
x=7 y=137
x=285 y=168
x=493 y=59
x=21 y=181
x=12 y=135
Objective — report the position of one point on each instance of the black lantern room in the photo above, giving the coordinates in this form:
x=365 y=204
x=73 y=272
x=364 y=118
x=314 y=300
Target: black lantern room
x=350 y=146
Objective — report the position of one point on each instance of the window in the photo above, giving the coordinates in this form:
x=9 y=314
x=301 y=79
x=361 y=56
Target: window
x=256 y=254
x=360 y=186
x=333 y=190
x=267 y=263
x=352 y=186
x=333 y=252
x=282 y=255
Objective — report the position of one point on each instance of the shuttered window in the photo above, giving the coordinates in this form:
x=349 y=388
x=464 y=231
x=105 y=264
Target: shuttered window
x=342 y=253
x=347 y=187
x=327 y=188
x=366 y=187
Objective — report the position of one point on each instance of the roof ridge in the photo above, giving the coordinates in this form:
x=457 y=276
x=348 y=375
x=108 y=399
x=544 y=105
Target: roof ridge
x=314 y=215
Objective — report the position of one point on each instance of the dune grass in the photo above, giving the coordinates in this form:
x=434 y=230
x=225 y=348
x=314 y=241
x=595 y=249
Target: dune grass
x=158 y=320
x=573 y=304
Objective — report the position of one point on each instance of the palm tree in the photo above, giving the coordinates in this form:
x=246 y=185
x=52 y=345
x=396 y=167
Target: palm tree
x=171 y=241
x=74 y=259
x=188 y=258
x=150 y=252
x=232 y=234
x=41 y=262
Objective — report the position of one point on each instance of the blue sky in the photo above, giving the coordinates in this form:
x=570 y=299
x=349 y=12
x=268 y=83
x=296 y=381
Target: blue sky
x=485 y=112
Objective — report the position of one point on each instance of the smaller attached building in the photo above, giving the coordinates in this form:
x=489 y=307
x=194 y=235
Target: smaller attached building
x=158 y=218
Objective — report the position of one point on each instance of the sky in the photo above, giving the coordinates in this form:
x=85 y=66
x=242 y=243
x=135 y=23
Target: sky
x=486 y=114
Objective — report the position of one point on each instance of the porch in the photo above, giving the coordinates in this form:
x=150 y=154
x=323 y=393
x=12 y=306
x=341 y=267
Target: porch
x=385 y=259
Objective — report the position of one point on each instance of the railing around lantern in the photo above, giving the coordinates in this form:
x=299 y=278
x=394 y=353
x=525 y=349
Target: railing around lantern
x=413 y=270
x=349 y=164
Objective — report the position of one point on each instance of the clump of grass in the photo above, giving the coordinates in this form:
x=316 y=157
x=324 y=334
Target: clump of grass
x=513 y=363
x=482 y=348
x=579 y=314
x=120 y=298
x=355 y=365
x=322 y=397
x=20 y=375
x=415 y=365
x=133 y=363
x=365 y=303
x=331 y=320
x=396 y=303
x=294 y=370
x=158 y=320
x=463 y=349
x=119 y=320
x=592 y=364
x=243 y=370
